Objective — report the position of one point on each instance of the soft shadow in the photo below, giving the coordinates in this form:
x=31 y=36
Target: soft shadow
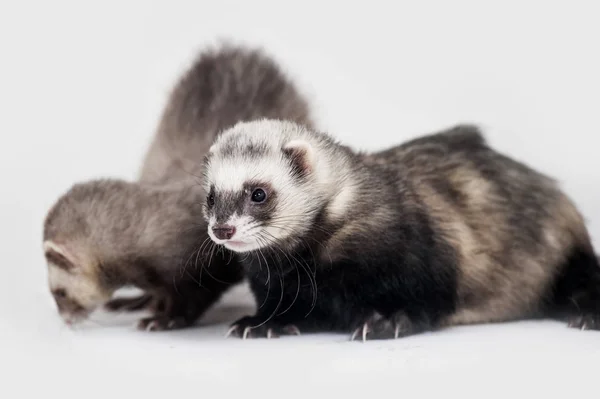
x=225 y=314
x=219 y=315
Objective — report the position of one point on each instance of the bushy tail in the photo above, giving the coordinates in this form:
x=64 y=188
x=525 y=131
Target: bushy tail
x=224 y=85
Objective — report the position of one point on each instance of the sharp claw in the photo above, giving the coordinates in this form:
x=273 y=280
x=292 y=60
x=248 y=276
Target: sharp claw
x=365 y=329
x=171 y=324
x=397 y=332
x=269 y=333
x=584 y=326
x=151 y=326
x=246 y=332
x=231 y=330
x=354 y=334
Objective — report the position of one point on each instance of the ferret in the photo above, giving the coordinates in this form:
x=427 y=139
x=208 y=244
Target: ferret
x=107 y=234
x=439 y=231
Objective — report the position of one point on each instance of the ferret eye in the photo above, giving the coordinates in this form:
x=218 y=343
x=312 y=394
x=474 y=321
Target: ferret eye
x=210 y=199
x=60 y=293
x=259 y=195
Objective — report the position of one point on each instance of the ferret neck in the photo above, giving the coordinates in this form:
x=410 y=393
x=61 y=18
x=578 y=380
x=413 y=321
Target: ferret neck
x=111 y=275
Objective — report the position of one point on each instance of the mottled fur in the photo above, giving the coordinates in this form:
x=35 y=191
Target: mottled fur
x=224 y=86
x=441 y=230
x=106 y=234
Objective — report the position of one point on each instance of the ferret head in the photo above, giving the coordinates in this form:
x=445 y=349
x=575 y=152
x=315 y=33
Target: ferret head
x=72 y=246
x=74 y=285
x=265 y=182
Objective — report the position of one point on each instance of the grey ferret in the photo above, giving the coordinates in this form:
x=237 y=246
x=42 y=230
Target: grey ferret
x=438 y=231
x=106 y=234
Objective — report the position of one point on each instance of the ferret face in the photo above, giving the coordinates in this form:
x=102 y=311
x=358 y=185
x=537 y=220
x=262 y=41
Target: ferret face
x=260 y=189
x=76 y=291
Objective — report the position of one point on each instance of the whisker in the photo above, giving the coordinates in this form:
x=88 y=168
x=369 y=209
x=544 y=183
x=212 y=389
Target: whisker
x=297 y=273
x=231 y=255
x=294 y=258
x=206 y=241
x=287 y=228
x=205 y=270
x=189 y=258
x=268 y=277
x=315 y=228
x=311 y=275
x=280 y=292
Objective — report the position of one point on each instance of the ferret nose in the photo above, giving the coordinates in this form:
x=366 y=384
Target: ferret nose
x=223 y=232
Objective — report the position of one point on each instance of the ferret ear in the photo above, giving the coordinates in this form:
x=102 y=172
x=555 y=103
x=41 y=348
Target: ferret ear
x=59 y=256
x=300 y=153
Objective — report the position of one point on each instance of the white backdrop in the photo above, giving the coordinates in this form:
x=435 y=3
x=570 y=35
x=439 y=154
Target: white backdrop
x=81 y=87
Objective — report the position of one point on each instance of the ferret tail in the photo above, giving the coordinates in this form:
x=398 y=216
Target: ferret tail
x=224 y=85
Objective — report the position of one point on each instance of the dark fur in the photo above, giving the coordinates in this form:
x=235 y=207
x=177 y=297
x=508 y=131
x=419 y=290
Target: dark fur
x=146 y=234
x=442 y=230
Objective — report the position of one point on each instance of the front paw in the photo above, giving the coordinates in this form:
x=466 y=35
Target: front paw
x=585 y=322
x=161 y=323
x=378 y=327
x=251 y=327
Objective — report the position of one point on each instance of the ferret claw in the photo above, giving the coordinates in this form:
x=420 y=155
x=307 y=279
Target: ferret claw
x=250 y=331
x=231 y=330
x=246 y=332
x=576 y=322
x=378 y=327
x=161 y=324
x=362 y=331
x=151 y=326
x=585 y=322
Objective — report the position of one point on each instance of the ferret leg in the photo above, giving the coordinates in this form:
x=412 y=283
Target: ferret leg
x=133 y=304
x=167 y=314
x=159 y=305
x=576 y=296
x=182 y=306
x=171 y=313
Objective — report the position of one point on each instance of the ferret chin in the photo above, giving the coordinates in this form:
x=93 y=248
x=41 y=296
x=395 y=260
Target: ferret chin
x=439 y=231
x=233 y=245
x=106 y=234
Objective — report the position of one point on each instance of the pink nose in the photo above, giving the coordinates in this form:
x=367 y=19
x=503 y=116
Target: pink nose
x=223 y=232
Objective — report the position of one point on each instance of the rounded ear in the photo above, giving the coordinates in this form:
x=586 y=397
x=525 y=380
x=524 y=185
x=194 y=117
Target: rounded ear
x=59 y=256
x=300 y=153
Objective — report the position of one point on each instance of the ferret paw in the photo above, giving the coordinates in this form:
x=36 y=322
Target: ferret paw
x=129 y=304
x=379 y=327
x=245 y=329
x=585 y=322
x=161 y=323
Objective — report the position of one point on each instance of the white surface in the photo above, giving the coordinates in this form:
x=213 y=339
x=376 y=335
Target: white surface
x=81 y=85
